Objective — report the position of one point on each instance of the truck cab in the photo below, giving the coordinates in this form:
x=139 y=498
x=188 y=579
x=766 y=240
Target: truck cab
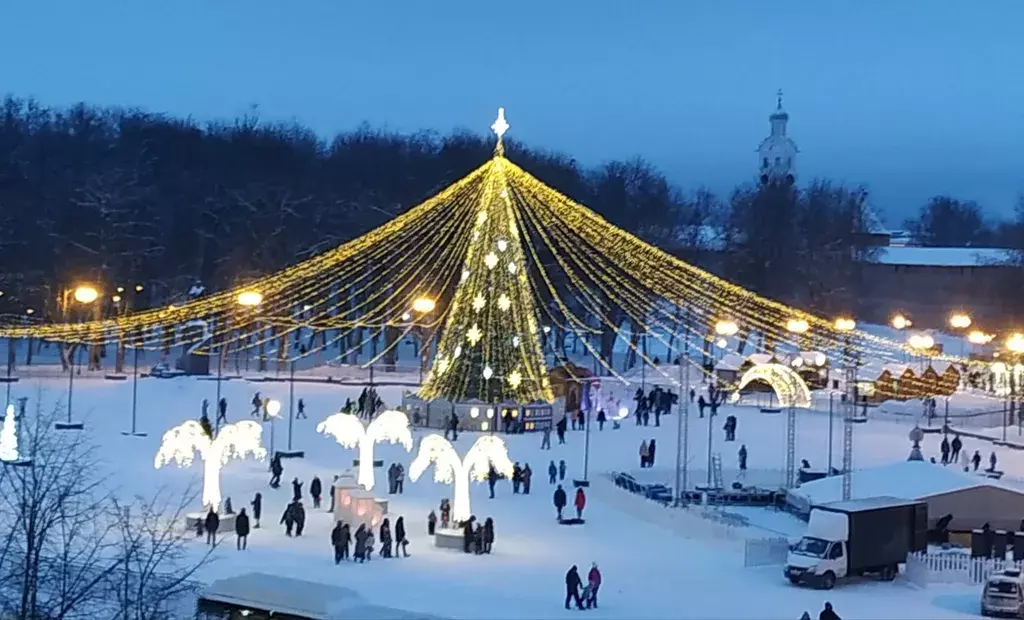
x=1003 y=594
x=817 y=562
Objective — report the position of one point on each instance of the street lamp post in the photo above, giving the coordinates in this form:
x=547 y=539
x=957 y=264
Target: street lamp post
x=84 y=295
x=1015 y=345
x=273 y=408
x=423 y=306
x=135 y=394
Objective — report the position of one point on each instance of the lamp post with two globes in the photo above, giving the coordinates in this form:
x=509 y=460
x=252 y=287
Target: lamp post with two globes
x=85 y=295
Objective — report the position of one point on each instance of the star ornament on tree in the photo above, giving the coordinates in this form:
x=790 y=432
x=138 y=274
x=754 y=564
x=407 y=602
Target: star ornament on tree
x=504 y=303
x=514 y=379
x=491 y=260
x=474 y=335
x=479 y=302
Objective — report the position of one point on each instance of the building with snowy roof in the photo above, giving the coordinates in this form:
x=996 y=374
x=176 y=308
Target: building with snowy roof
x=972 y=499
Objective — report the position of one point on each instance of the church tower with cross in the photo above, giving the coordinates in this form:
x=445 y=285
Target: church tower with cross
x=777 y=153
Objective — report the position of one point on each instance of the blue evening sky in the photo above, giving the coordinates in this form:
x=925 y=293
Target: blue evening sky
x=911 y=97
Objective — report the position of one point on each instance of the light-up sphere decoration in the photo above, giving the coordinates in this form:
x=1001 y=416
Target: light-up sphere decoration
x=9 y=436
x=235 y=440
x=249 y=299
x=845 y=325
x=921 y=342
x=1015 y=343
x=423 y=305
x=86 y=294
x=623 y=413
x=273 y=408
x=348 y=430
x=959 y=321
x=449 y=468
x=901 y=322
x=797 y=326
x=980 y=337
x=726 y=328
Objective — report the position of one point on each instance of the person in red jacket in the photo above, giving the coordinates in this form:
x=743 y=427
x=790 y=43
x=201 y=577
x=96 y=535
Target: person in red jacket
x=594 y=579
x=581 y=502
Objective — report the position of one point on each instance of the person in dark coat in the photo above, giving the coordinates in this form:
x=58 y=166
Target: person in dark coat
x=526 y=475
x=976 y=460
x=467 y=534
x=560 y=500
x=594 y=580
x=488 y=534
x=701 y=405
x=336 y=542
x=399 y=478
x=288 y=519
x=276 y=469
x=211 y=524
x=561 y=469
x=296 y=490
x=650 y=455
x=552 y=473
x=204 y=423
x=560 y=429
x=315 y=488
x=446 y=512
x=517 y=478
x=944 y=450
x=391 y=479
x=492 y=479
x=572 y=587
x=301 y=413
x=385 y=539
x=957 y=446
x=581 y=502
x=401 y=542
x=743 y=459
x=257 y=509
x=693 y=394
x=828 y=613
x=241 y=530
x=453 y=427
x=228 y=509
x=360 y=550
x=300 y=518
x=333 y=484
x=478 y=539
x=431 y=523
x=222 y=411
x=601 y=419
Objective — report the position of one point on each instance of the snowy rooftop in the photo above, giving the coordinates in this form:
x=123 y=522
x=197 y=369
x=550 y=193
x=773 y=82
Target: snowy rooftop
x=942 y=257
x=904 y=480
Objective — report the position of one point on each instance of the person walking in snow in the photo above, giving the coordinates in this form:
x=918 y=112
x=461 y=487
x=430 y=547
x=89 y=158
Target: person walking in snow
x=257 y=403
x=552 y=473
x=296 y=489
x=650 y=453
x=334 y=484
x=301 y=413
x=360 y=550
x=992 y=461
x=211 y=524
x=446 y=513
x=581 y=502
x=601 y=419
x=276 y=470
x=526 y=475
x=560 y=430
x=488 y=534
x=957 y=445
x=336 y=542
x=288 y=519
x=467 y=534
x=560 y=501
x=492 y=479
x=315 y=488
x=828 y=613
x=594 y=580
x=693 y=394
x=743 y=460
x=300 y=518
x=545 y=438
x=204 y=423
x=401 y=542
x=561 y=469
x=431 y=523
x=399 y=478
x=385 y=539
x=572 y=587
x=222 y=411
x=517 y=478
x=257 y=509
x=701 y=405
x=730 y=428
x=453 y=427
x=241 y=530
x=391 y=479
x=944 y=450
x=644 y=454
x=976 y=460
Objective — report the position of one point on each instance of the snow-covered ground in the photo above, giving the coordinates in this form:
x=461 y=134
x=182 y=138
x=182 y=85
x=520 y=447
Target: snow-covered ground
x=649 y=571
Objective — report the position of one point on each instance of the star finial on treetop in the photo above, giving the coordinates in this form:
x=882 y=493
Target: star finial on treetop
x=499 y=128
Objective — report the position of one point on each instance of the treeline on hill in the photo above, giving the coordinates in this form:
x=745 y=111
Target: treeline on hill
x=126 y=196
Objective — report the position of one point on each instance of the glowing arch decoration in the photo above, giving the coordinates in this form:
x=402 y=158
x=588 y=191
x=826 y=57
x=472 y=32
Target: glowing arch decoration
x=789 y=386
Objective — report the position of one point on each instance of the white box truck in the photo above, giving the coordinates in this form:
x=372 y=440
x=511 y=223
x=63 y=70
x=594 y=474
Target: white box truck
x=857 y=537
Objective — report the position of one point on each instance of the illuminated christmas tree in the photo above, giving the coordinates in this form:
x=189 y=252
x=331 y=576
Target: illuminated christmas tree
x=9 y=436
x=490 y=345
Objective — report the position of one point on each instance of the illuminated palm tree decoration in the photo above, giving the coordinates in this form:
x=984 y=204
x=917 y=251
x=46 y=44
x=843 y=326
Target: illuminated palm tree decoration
x=348 y=430
x=448 y=467
x=233 y=441
x=9 y=436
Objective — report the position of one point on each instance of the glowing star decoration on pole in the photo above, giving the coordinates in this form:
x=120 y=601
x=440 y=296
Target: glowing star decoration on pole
x=9 y=437
x=233 y=441
x=390 y=426
x=449 y=468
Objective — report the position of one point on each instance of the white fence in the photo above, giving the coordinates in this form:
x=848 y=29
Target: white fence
x=924 y=568
x=765 y=552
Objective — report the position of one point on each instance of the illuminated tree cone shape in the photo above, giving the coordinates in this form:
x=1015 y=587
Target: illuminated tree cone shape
x=789 y=386
x=490 y=344
x=448 y=467
x=389 y=426
x=233 y=441
x=9 y=437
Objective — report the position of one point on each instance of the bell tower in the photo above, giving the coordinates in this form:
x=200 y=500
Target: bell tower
x=777 y=153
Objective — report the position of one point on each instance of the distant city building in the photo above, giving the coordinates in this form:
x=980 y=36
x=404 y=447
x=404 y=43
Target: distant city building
x=777 y=153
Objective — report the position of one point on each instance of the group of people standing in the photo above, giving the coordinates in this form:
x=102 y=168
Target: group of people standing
x=647 y=452
x=341 y=538
x=477 y=538
x=396 y=479
x=657 y=401
x=587 y=599
x=369 y=403
x=560 y=499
